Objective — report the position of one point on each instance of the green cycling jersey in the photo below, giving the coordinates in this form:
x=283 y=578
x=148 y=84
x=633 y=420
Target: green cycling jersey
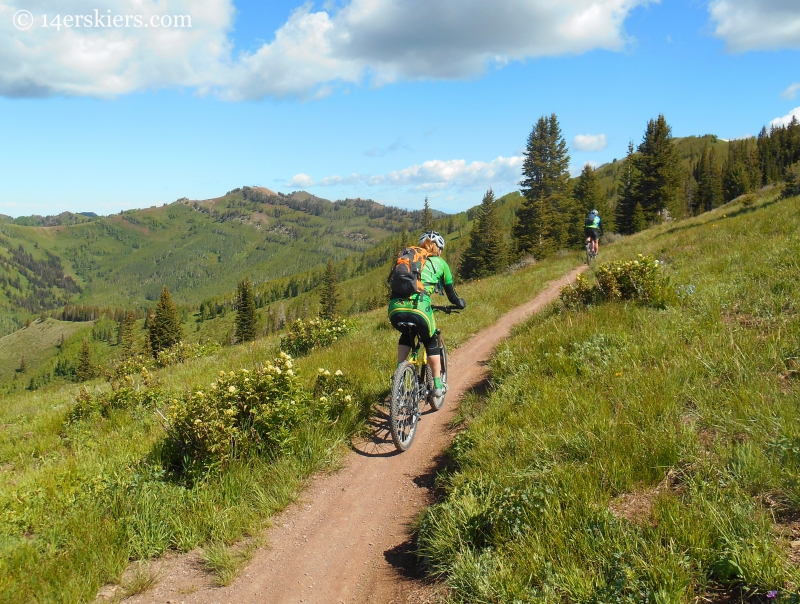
x=436 y=275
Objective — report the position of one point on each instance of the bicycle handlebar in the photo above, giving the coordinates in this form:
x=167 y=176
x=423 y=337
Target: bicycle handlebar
x=446 y=309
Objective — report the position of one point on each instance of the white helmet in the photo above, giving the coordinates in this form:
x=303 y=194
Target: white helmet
x=433 y=236
x=594 y=213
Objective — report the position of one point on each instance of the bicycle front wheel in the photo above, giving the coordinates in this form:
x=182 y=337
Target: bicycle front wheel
x=404 y=408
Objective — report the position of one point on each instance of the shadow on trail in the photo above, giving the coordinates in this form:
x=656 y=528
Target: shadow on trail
x=379 y=443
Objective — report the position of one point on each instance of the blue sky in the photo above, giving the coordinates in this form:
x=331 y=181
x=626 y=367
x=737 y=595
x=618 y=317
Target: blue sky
x=378 y=99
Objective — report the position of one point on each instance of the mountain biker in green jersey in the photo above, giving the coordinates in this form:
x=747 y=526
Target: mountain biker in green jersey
x=436 y=276
x=592 y=229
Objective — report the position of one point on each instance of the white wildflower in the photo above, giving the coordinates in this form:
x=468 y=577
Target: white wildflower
x=338 y=372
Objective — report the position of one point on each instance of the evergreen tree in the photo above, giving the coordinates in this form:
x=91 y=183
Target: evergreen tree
x=638 y=219
x=165 y=329
x=541 y=219
x=85 y=369
x=660 y=177
x=329 y=300
x=427 y=217
x=125 y=331
x=626 y=200
x=709 y=182
x=23 y=365
x=246 y=319
x=486 y=253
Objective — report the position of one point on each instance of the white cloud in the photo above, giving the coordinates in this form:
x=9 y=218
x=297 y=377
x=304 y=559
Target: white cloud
x=790 y=92
x=757 y=24
x=379 y=41
x=590 y=142
x=431 y=175
x=108 y=61
x=301 y=180
x=786 y=119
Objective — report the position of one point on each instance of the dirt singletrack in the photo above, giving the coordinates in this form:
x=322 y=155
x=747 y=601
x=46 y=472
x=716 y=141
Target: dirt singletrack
x=348 y=538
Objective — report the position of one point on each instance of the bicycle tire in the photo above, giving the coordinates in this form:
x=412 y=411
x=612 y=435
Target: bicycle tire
x=404 y=407
x=435 y=403
x=589 y=255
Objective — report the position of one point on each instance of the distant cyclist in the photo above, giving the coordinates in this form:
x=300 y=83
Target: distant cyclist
x=416 y=308
x=592 y=229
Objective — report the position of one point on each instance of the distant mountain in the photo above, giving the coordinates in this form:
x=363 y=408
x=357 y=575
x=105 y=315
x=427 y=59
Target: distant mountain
x=199 y=249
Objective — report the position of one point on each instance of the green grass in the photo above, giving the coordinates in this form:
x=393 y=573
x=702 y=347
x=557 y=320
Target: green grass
x=688 y=416
x=79 y=501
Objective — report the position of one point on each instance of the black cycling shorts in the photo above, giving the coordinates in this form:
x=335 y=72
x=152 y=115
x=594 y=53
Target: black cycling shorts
x=592 y=234
x=431 y=342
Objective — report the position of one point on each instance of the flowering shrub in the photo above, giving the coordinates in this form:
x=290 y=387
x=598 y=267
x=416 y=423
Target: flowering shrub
x=245 y=412
x=182 y=352
x=304 y=336
x=332 y=392
x=127 y=394
x=639 y=280
x=139 y=362
x=130 y=365
x=579 y=295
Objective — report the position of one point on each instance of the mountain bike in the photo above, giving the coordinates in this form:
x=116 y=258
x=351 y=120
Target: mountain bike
x=590 y=255
x=412 y=386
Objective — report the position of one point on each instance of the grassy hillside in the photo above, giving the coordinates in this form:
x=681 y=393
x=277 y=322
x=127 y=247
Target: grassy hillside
x=626 y=453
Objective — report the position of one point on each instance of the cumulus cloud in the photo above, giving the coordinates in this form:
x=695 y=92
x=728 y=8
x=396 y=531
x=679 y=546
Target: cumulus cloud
x=790 y=92
x=590 y=142
x=757 y=24
x=375 y=41
x=431 y=175
x=107 y=61
x=301 y=180
x=786 y=119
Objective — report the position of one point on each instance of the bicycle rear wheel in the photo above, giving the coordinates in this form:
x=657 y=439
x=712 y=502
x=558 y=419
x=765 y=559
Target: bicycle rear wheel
x=589 y=255
x=434 y=402
x=404 y=408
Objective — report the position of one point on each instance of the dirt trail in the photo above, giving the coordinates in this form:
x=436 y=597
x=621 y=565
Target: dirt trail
x=348 y=538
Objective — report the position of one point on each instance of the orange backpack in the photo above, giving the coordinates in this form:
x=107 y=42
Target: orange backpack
x=406 y=275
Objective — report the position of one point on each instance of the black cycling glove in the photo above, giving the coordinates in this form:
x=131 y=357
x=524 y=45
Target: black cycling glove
x=453 y=297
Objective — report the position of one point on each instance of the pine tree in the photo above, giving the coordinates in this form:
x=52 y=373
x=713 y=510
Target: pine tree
x=85 y=369
x=427 y=217
x=329 y=299
x=660 y=179
x=709 y=181
x=165 y=329
x=543 y=216
x=486 y=254
x=23 y=365
x=245 y=311
x=638 y=220
x=125 y=332
x=626 y=200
